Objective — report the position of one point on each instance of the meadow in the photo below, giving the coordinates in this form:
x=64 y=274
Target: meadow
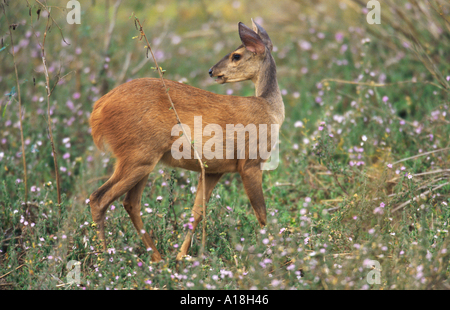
x=360 y=199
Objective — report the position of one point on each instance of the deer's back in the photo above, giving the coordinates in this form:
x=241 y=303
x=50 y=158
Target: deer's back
x=138 y=114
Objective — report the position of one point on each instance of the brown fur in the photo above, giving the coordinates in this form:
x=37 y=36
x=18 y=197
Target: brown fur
x=135 y=121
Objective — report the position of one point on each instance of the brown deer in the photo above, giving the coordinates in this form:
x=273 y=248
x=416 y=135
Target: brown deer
x=136 y=122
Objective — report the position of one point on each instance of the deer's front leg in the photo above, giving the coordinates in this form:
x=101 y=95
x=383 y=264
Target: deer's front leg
x=252 y=179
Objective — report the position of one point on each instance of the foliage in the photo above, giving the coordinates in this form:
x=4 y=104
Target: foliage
x=364 y=149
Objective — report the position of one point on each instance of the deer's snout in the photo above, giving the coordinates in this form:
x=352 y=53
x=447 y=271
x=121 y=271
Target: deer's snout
x=213 y=72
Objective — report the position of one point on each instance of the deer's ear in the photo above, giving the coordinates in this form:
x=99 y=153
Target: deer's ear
x=251 y=40
x=263 y=35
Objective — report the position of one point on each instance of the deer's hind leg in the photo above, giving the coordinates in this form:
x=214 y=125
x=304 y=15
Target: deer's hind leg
x=132 y=204
x=211 y=180
x=125 y=177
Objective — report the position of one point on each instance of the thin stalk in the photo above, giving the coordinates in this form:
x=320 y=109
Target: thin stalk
x=184 y=133
x=20 y=117
x=49 y=119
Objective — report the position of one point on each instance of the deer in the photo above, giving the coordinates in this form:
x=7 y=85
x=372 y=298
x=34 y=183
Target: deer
x=135 y=121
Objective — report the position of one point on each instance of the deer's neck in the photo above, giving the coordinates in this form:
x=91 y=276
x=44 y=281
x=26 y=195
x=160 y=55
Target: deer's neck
x=266 y=86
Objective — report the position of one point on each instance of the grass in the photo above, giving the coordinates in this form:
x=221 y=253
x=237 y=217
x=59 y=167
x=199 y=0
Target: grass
x=366 y=133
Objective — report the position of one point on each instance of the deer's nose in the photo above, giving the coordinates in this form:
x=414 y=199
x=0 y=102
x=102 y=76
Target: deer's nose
x=210 y=72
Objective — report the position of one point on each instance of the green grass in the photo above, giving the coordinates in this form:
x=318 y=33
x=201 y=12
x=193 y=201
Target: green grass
x=334 y=204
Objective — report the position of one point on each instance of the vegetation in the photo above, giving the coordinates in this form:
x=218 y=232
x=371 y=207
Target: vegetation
x=363 y=180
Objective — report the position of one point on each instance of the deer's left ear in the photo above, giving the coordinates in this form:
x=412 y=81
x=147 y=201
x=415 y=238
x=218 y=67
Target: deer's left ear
x=251 y=40
x=263 y=35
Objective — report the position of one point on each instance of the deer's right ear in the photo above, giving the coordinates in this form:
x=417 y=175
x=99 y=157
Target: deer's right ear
x=251 y=40
x=262 y=34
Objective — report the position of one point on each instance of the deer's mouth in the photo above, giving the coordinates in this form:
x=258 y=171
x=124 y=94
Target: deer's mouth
x=220 y=79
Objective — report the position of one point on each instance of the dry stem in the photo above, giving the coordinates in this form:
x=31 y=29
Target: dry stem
x=20 y=116
x=184 y=133
x=418 y=196
x=49 y=92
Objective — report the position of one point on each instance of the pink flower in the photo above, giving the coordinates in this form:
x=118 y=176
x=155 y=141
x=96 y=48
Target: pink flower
x=290 y=267
x=339 y=36
x=378 y=210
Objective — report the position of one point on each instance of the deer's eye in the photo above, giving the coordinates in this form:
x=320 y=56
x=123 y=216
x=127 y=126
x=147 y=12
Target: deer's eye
x=236 y=56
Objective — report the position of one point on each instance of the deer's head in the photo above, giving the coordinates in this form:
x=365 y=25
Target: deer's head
x=244 y=63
